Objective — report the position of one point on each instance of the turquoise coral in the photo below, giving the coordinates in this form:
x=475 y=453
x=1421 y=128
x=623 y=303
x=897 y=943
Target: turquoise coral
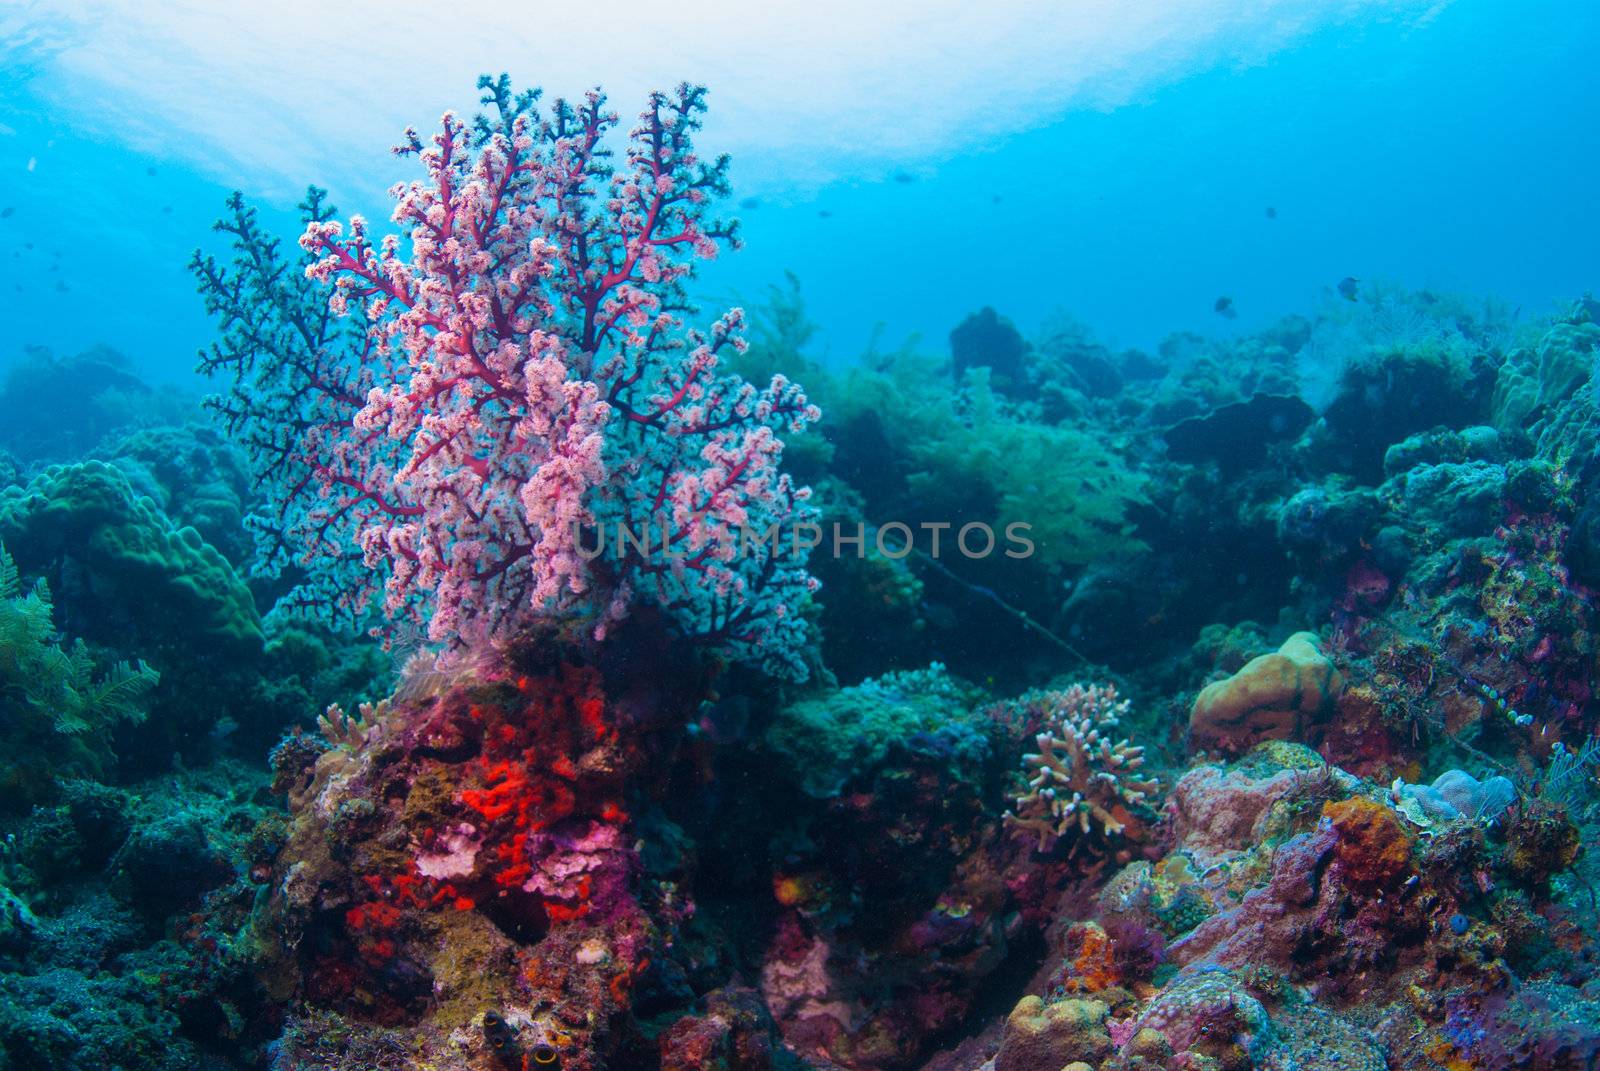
x=134 y=554
x=827 y=740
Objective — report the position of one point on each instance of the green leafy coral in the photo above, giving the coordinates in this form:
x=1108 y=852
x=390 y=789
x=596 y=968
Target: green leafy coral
x=58 y=711
x=969 y=455
x=1073 y=492
x=976 y=460
x=923 y=446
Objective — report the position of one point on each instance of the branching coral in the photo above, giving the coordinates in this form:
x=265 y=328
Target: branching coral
x=520 y=371
x=352 y=731
x=1080 y=781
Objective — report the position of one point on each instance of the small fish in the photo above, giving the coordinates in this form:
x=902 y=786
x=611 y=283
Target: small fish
x=904 y=178
x=825 y=214
x=1224 y=308
x=1272 y=213
x=996 y=199
x=150 y=171
x=1347 y=288
x=749 y=203
x=724 y=721
x=7 y=212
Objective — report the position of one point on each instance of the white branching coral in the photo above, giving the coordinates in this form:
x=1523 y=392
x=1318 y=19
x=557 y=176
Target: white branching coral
x=351 y=732
x=1081 y=779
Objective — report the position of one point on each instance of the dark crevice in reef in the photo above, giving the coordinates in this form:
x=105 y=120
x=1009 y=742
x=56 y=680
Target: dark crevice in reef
x=999 y=994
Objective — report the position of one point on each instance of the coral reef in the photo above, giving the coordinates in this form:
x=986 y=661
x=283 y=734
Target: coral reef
x=60 y=408
x=597 y=783
x=459 y=857
x=826 y=742
x=125 y=942
x=1329 y=931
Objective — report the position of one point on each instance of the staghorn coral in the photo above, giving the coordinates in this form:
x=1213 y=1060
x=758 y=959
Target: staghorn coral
x=1079 y=780
x=352 y=731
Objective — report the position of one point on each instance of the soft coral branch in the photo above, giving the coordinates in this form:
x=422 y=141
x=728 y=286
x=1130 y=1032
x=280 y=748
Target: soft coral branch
x=522 y=372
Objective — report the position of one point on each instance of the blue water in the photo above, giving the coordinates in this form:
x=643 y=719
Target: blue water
x=1452 y=149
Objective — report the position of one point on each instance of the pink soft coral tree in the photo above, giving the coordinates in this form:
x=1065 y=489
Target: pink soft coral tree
x=523 y=375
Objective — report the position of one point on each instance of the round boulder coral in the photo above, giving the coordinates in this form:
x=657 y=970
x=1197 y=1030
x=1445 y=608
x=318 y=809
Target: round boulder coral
x=1274 y=697
x=1039 y=1035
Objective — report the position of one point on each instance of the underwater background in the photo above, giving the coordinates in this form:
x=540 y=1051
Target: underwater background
x=1063 y=536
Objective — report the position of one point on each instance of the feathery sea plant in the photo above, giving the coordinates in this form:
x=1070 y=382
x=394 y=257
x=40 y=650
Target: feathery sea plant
x=57 y=708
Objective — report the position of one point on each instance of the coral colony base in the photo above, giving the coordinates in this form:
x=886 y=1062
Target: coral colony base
x=1243 y=718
